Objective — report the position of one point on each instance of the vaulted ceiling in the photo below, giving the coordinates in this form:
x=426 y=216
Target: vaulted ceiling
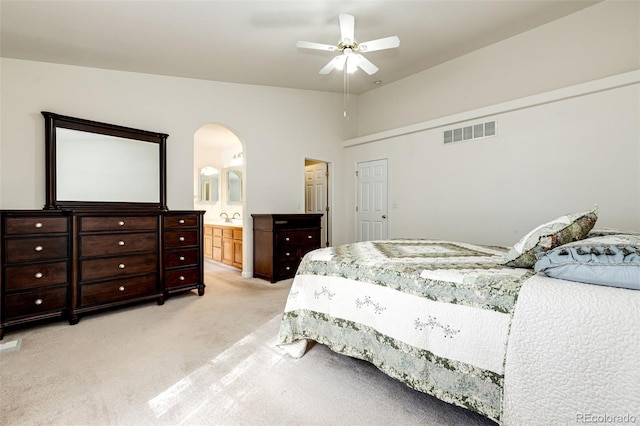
x=254 y=42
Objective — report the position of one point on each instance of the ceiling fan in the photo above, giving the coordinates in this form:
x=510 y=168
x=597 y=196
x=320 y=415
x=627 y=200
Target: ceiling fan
x=351 y=57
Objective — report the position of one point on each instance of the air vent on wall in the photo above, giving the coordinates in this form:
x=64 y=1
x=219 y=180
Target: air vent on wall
x=476 y=131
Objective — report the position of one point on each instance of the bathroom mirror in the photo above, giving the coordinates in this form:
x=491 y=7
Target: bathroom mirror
x=234 y=186
x=209 y=184
x=92 y=164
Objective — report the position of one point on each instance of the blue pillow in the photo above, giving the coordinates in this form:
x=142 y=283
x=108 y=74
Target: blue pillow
x=611 y=260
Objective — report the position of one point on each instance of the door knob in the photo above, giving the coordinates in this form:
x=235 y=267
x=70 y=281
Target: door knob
x=384 y=216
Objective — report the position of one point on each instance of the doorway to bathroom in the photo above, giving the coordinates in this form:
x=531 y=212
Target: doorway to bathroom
x=219 y=170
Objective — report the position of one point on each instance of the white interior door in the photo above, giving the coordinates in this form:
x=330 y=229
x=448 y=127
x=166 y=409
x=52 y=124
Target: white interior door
x=316 y=195
x=371 y=208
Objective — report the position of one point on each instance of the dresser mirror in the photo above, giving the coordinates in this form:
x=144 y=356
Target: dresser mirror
x=92 y=164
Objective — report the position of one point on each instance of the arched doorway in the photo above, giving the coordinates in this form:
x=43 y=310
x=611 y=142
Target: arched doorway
x=218 y=170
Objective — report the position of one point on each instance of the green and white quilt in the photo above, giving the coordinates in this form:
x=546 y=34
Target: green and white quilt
x=433 y=314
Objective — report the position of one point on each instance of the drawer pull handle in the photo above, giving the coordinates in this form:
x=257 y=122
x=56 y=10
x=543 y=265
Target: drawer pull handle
x=121 y=223
x=120 y=243
x=121 y=288
x=287 y=268
x=39 y=248
x=309 y=236
x=38 y=275
x=287 y=254
x=181 y=238
x=38 y=302
x=38 y=225
x=286 y=239
x=181 y=258
x=181 y=221
x=181 y=278
x=121 y=266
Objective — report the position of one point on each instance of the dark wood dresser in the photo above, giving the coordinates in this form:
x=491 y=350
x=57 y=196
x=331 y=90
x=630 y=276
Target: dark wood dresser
x=66 y=263
x=36 y=271
x=280 y=241
x=183 y=251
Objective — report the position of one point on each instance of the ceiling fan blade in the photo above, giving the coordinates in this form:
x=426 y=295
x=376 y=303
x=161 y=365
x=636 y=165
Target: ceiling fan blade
x=335 y=63
x=347 y=25
x=316 y=46
x=379 y=44
x=366 y=64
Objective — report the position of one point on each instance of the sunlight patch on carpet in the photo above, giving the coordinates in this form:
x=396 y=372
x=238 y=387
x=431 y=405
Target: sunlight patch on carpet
x=186 y=398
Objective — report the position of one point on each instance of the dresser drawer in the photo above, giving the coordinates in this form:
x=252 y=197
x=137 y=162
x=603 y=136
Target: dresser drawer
x=116 y=223
x=117 y=267
x=180 y=221
x=111 y=291
x=287 y=269
x=36 y=249
x=181 y=238
x=177 y=258
x=35 y=302
x=34 y=276
x=97 y=245
x=35 y=225
x=287 y=253
x=181 y=277
x=298 y=238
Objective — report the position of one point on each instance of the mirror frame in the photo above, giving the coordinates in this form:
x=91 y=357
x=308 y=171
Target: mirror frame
x=54 y=121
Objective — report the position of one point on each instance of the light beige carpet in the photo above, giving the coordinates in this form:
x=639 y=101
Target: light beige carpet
x=208 y=360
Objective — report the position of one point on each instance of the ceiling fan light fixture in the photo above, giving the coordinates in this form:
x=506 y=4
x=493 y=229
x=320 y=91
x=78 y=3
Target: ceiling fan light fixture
x=351 y=58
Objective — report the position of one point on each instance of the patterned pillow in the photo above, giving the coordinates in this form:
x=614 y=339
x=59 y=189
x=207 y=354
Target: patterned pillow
x=612 y=260
x=562 y=230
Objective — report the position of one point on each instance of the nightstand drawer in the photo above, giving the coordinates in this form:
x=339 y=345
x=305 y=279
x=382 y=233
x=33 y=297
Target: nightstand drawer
x=34 y=276
x=117 y=267
x=35 y=302
x=36 y=249
x=105 y=245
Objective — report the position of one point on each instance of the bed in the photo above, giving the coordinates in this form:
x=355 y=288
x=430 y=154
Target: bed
x=485 y=327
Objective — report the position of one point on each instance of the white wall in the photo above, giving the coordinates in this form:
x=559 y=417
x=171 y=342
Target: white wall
x=596 y=42
x=548 y=158
x=552 y=155
x=277 y=135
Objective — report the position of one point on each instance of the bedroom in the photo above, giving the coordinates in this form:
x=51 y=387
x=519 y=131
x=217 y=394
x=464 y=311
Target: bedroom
x=568 y=134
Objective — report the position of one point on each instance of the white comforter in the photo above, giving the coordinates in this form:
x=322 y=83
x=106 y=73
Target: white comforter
x=569 y=352
x=573 y=355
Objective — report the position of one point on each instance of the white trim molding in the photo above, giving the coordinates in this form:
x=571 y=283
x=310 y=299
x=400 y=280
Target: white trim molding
x=607 y=83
